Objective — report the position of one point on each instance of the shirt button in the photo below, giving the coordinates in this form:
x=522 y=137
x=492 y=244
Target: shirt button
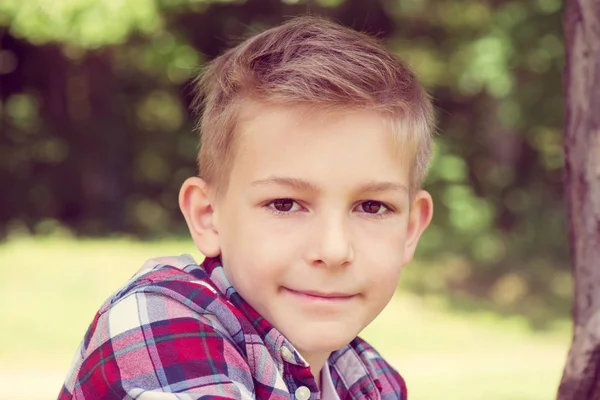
x=287 y=355
x=302 y=393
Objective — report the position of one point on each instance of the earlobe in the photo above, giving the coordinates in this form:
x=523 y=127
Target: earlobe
x=420 y=216
x=196 y=206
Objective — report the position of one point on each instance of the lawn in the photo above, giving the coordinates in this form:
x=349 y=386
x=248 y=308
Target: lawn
x=50 y=289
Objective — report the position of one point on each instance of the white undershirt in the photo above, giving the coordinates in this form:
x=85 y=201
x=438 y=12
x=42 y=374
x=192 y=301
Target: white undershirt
x=327 y=389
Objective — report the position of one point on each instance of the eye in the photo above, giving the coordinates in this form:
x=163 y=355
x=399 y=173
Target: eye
x=283 y=206
x=374 y=207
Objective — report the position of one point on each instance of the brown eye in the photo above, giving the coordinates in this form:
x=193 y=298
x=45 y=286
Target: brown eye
x=283 y=205
x=371 y=207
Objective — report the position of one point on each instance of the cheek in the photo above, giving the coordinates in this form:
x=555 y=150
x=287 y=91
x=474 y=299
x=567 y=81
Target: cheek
x=276 y=240
x=382 y=250
x=256 y=251
x=382 y=242
x=383 y=283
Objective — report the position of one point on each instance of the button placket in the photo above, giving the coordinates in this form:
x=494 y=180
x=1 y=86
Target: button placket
x=288 y=355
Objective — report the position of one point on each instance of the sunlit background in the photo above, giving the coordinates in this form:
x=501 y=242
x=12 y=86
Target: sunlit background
x=96 y=138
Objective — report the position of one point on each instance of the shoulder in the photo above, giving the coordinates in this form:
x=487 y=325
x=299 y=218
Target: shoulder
x=165 y=292
x=164 y=288
x=389 y=382
x=162 y=330
x=172 y=276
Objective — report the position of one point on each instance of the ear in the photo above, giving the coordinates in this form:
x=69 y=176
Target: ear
x=421 y=211
x=196 y=205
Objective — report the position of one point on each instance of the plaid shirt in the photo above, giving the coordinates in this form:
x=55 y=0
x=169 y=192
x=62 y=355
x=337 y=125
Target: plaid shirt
x=181 y=331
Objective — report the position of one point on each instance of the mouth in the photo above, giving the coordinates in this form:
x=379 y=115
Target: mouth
x=324 y=296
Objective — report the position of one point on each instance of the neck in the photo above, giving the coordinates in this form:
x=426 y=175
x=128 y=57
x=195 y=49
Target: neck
x=316 y=363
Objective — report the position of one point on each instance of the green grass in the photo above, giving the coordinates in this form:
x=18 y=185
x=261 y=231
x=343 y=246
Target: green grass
x=51 y=288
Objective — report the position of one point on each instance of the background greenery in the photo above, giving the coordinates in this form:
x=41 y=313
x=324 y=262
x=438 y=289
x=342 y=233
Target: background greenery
x=96 y=138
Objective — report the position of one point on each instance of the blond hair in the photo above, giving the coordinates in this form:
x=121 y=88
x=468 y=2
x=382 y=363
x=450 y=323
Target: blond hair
x=315 y=62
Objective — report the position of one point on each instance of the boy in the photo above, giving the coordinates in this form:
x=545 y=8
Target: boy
x=315 y=141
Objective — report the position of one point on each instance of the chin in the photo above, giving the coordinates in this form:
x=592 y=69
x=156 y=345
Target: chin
x=322 y=341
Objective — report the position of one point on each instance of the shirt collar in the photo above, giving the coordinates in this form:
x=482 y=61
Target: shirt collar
x=216 y=272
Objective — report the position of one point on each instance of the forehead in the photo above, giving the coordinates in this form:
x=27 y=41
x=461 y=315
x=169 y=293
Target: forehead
x=309 y=121
x=303 y=139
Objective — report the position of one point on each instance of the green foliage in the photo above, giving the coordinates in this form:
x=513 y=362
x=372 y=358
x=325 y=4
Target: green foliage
x=97 y=136
x=87 y=23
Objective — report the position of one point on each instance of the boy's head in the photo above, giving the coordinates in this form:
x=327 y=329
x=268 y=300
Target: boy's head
x=315 y=141
x=317 y=64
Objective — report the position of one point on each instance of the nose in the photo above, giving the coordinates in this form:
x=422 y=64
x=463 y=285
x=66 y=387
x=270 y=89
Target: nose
x=332 y=246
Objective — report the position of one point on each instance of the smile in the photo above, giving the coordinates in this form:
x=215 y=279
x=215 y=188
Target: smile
x=323 y=296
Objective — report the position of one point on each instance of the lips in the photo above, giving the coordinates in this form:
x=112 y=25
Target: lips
x=321 y=295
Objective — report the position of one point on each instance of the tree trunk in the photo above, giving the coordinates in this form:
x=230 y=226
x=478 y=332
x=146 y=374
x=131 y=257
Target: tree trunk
x=581 y=377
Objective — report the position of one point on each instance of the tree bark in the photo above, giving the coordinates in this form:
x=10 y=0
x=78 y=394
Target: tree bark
x=581 y=377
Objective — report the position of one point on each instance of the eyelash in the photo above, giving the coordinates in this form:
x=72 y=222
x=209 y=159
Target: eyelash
x=389 y=209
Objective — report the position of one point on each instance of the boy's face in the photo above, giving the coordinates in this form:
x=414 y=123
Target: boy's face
x=316 y=224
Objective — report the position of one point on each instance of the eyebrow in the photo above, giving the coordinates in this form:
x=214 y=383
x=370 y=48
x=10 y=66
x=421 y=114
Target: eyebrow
x=300 y=184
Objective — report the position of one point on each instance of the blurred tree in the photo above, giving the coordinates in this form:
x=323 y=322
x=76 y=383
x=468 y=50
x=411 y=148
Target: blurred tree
x=95 y=135
x=581 y=379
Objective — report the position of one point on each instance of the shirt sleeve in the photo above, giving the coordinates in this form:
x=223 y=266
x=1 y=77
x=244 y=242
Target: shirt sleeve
x=149 y=346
